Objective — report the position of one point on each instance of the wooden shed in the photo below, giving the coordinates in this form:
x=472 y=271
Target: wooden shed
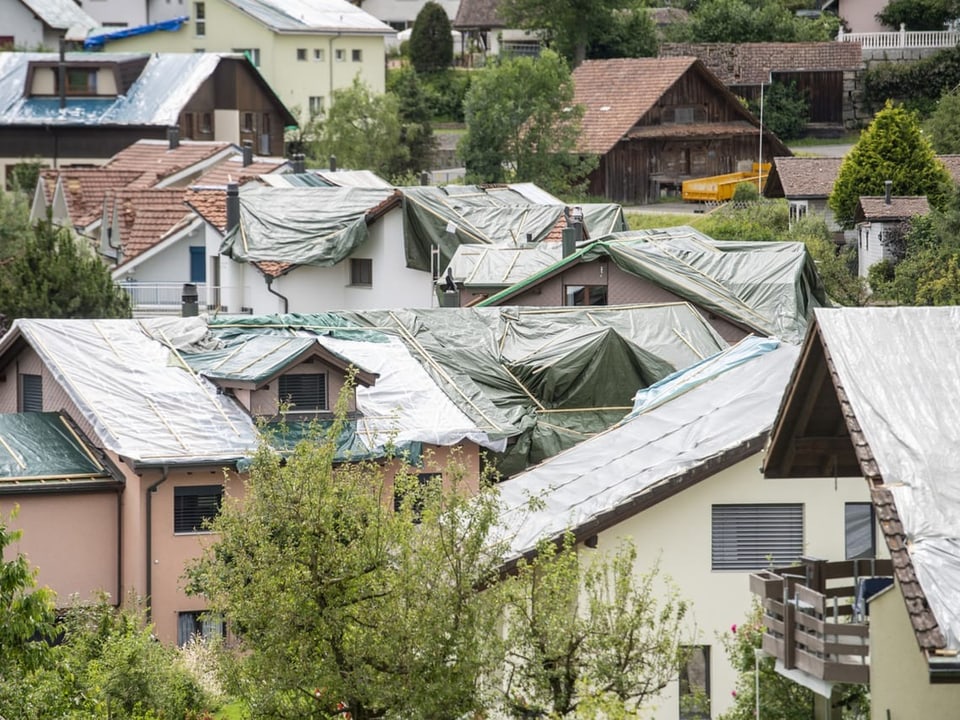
x=655 y=122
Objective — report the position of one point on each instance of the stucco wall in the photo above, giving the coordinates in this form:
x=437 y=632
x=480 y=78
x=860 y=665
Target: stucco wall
x=677 y=533
x=899 y=682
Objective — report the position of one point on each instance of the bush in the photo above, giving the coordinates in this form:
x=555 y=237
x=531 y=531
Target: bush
x=446 y=92
x=786 y=110
x=917 y=85
x=746 y=192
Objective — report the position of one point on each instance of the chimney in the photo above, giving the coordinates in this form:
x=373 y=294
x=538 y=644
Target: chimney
x=173 y=137
x=233 y=207
x=424 y=178
x=568 y=239
x=247 y=153
x=189 y=301
x=887 y=191
x=333 y=163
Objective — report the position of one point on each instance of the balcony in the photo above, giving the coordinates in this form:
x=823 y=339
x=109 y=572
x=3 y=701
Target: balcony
x=902 y=39
x=154 y=299
x=815 y=616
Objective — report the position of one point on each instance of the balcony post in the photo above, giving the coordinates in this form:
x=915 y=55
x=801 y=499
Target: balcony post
x=789 y=630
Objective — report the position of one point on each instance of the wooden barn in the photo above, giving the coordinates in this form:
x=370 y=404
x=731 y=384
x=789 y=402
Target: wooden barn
x=655 y=122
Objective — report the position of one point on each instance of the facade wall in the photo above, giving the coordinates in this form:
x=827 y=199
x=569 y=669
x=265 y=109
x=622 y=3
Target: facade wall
x=72 y=540
x=870 y=247
x=265 y=402
x=677 y=533
x=170 y=265
x=860 y=15
x=20 y=22
x=899 y=682
x=129 y=13
x=402 y=13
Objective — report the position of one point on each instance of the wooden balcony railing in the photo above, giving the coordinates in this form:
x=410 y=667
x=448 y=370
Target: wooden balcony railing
x=815 y=617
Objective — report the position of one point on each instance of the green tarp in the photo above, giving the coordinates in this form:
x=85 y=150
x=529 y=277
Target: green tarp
x=42 y=447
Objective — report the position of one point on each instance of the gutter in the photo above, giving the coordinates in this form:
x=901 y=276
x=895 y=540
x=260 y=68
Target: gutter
x=164 y=472
x=286 y=302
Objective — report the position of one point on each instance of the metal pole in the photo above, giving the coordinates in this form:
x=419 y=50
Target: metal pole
x=760 y=166
x=756 y=676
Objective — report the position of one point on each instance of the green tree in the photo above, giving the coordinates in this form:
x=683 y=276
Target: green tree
x=587 y=635
x=342 y=602
x=891 y=148
x=50 y=274
x=573 y=27
x=522 y=124
x=431 y=45
x=26 y=623
x=942 y=127
x=919 y=14
x=738 y=21
x=786 y=110
x=416 y=128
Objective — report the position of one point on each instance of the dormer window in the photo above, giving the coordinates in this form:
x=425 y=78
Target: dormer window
x=304 y=392
x=81 y=81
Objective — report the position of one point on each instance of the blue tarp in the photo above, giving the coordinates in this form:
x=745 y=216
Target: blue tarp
x=95 y=42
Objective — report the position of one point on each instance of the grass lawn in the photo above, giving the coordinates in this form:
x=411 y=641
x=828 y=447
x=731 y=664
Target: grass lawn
x=231 y=711
x=645 y=221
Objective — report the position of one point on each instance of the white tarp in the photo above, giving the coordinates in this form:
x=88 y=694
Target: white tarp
x=900 y=369
x=601 y=474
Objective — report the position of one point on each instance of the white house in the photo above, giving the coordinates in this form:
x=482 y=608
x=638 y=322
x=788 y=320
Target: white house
x=680 y=478
x=41 y=24
x=880 y=225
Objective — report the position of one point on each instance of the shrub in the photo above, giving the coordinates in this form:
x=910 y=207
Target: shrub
x=431 y=46
x=786 y=110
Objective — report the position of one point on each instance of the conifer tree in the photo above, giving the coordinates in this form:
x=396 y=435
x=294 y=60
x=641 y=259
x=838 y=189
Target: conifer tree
x=431 y=46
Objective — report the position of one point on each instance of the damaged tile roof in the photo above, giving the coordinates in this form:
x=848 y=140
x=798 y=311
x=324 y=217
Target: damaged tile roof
x=617 y=93
x=147 y=216
x=85 y=189
x=752 y=63
x=155 y=160
x=232 y=170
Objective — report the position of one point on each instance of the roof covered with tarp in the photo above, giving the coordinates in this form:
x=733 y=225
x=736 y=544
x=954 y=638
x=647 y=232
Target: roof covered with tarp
x=547 y=377
x=156 y=97
x=302 y=225
x=44 y=449
x=498 y=266
x=328 y=178
x=769 y=287
x=313 y=16
x=900 y=372
x=718 y=412
x=453 y=215
x=63 y=15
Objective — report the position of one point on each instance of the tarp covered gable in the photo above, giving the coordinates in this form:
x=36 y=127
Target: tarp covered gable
x=900 y=371
x=735 y=404
x=302 y=225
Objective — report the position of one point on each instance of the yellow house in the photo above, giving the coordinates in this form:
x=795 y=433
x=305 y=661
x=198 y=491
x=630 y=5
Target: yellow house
x=305 y=50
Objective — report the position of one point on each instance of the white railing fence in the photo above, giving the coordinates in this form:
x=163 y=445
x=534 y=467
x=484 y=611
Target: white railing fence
x=166 y=298
x=902 y=39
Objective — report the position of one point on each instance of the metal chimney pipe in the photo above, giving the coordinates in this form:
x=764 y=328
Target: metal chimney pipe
x=233 y=207
x=333 y=163
x=190 y=301
x=247 y=153
x=887 y=191
x=62 y=73
x=173 y=137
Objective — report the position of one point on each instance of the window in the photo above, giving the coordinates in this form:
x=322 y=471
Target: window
x=361 y=272
x=423 y=481
x=315 y=104
x=356 y=55
x=198 y=263
x=301 y=54
x=200 y=18
x=194 y=504
x=585 y=295
x=206 y=123
x=253 y=54
x=318 y=54
x=695 y=684
x=247 y=125
x=753 y=537
x=340 y=54
x=31 y=393
x=199 y=624
x=858 y=524
x=80 y=81
x=798 y=210
x=305 y=392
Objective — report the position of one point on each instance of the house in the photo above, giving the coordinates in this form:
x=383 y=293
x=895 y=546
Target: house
x=400 y=14
x=110 y=101
x=115 y=14
x=738 y=287
x=43 y=24
x=304 y=51
x=156 y=417
x=824 y=72
x=806 y=183
x=485 y=32
x=655 y=122
x=880 y=225
x=150 y=446
x=679 y=477
x=874 y=394
x=858 y=16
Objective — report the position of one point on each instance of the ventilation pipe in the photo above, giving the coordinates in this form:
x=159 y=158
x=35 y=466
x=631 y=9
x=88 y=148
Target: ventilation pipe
x=333 y=163
x=247 y=153
x=189 y=301
x=62 y=74
x=233 y=207
x=888 y=191
x=173 y=137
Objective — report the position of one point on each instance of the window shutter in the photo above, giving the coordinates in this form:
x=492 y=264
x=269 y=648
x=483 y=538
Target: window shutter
x=31 y=393
x=306 y=392
x=194 y=504
x=753 y=537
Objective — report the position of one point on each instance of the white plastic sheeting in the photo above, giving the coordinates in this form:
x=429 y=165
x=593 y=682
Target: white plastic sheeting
x=313 y=16
x=900 y=369
x=138 y=404
x=600 y=475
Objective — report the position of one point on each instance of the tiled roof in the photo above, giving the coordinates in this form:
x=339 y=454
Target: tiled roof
x=805 y=177
x=147 y=216
x=876 y=209
x=210 y=204
x=479 y=14
x=156 y=161
x=232 y=170
x=752 y=63
x=952 y=163
x=617 y=93
x=85 y=189
x=693 y=130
